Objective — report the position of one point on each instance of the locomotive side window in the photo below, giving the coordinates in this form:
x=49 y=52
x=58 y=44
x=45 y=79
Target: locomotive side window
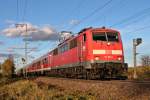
x=99 y=36
x=66 y=47
x=63 y=48
x=73 y=43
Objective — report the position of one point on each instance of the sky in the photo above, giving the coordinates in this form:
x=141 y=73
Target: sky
x=46 y=18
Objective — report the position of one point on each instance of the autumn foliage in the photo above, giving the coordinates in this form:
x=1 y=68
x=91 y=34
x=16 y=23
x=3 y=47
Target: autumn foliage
x=8 y=68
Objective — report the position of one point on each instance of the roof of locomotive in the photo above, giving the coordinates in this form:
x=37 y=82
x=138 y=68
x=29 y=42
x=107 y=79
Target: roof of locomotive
x=85 y=29
x=104 y=29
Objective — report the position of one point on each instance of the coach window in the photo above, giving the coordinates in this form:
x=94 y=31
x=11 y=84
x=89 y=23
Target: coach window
x=46 y=60
x=55 y=51
x=43 y=61
x=39 y=64
x=34 y=65
x=84 y=37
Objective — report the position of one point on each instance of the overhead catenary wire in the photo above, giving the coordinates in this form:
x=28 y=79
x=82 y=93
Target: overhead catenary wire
x=91 y=14
x=119 y=4
x=131 y=17
x=77 y=8
x=138 y=19
x=25 y=10
x=139 y=29
x=33 y=53
x=72 y=12
x=17 y=10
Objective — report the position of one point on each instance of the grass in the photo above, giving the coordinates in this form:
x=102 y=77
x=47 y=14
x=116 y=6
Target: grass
x=143 y=73
x=59 y=89
x=29 y=90
x=46 y=88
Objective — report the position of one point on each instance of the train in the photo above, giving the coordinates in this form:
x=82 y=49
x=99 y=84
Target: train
x=94 y=53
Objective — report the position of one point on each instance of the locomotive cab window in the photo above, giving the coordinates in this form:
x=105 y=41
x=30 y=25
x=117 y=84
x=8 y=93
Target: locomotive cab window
x=112 y=37
x=99 y=36
x=105 y=36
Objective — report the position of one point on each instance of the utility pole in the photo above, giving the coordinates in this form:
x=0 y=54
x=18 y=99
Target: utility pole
x=26 y=44
x=136 y=42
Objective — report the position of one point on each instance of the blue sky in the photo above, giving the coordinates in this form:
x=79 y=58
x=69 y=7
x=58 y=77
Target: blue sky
x=50 y=16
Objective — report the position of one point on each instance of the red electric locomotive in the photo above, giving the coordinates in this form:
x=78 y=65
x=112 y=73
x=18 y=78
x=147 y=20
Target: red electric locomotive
x=95 y=53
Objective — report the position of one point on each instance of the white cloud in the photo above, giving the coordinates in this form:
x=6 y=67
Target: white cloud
x=35 y=33
x=9 y=21
x=74 y=22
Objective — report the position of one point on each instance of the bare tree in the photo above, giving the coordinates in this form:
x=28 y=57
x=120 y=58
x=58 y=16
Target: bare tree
x=145 y=60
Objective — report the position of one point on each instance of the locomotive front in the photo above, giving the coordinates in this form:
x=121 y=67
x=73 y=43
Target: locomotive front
x=106 y=54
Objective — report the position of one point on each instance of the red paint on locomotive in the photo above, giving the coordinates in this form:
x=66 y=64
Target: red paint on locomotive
x=92 y=45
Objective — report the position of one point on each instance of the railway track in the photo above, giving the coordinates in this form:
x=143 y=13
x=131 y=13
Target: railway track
x=99 y=81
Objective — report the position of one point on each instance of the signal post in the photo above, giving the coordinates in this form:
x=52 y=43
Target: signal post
x=136 y=42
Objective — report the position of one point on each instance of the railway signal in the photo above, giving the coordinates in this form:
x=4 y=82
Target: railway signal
x=136 y=42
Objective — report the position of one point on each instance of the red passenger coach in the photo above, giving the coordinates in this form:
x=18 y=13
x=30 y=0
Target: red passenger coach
x=95 y=53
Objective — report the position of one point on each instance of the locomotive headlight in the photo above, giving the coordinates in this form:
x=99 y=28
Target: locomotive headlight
x=108 y=43
x=119 y=58
x=96 y=58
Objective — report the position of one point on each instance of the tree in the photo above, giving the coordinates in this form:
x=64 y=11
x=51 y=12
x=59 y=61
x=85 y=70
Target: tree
x=8 y=68
x=0 y=66
x=145 y=60
x=0 y=70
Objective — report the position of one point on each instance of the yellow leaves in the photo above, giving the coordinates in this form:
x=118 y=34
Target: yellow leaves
x=142 y=72
x=8 y=68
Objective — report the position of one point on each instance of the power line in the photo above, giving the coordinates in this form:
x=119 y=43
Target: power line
x=45 y=46
x=25 y=9
x=17 y=9
x=91 y=14
x=78 y=6
x=131 y=17
x=138 y=19
x=139 y=29
x=119 y=4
